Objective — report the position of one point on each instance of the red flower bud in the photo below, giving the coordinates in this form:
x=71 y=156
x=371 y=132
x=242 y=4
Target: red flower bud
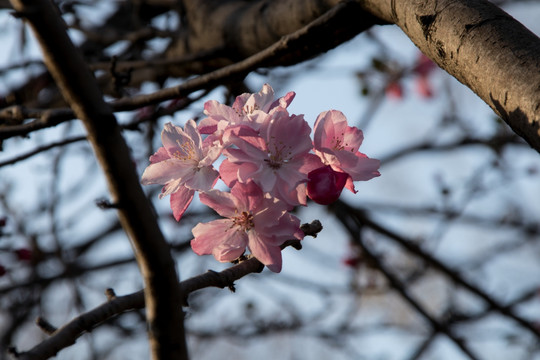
x=325 y=185
x=23 y=254
x=352 y=261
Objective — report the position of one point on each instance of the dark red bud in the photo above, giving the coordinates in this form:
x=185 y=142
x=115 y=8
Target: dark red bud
x=325 y=185
x=351 y=262
x=23 y=254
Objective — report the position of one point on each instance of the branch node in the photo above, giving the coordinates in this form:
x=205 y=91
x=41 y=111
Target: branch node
x=12 y=350
x=45 y=326
x=111 y=295
x=296 y=244
x=19 y=14
x=312 y=229
x=222 y=281
x=120 y=79
x=105 y=204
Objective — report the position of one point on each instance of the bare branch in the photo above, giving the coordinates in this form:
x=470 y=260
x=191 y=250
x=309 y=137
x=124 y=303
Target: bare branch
x=66 y=64
x=41 y=149
x=287 y=44
x=394 y=281
x=344 y=210
x=69 y=333
x=481 y=46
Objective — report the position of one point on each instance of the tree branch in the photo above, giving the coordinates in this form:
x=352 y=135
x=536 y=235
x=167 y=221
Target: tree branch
x=342 y=209
x=243 y=29
x=481 y=46
x=68 y=334
x=438 y=326
x=287 y=45
x=66 y=64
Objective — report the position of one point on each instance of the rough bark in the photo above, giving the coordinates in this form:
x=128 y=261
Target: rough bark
x=66 y=64
x=481 y=46
x=234 y=30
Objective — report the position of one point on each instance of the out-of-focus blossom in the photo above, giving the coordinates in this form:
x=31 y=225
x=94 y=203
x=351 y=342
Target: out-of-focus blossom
x=251 y=219
x=394 y=90
x=422 y=69
x=352 y=261
x=183 y=165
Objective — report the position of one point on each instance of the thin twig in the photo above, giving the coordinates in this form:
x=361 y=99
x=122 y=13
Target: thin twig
x=68 y=334
x=41 y=149
x=80 y=89
x=352 y=225
x=209 y=80
x=437 y=264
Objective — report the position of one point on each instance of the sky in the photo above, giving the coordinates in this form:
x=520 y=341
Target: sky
x=396 y=124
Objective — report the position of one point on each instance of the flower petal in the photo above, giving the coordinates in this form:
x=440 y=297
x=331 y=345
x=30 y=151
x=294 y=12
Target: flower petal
x=203 y=179
x=160 y=155
x=228 y=172
x=219 y=238
x=166 y=171
x=223 y=203
x=180 y=201
x=269 y=255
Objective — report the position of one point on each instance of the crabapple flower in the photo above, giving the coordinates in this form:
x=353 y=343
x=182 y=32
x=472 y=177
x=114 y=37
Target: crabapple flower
x=337 y=144
x=251 y=219
x=276 y=158
x=247 y=109
x=183 y=165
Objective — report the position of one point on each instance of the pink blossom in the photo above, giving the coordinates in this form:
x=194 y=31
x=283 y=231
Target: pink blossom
x=277 y=158
x=263 y=101
x=183 y=165
x=423 y=87
x=247 y=109
x=337 y=144
x=251 y=220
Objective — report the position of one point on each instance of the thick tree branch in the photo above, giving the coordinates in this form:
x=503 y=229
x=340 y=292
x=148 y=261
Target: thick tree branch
x=481 y=46
x=243 y=28
x=80 y=89
x=289 y=44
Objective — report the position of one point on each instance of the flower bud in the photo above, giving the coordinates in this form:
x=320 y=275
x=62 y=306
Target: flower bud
x=325 y=185
x=23 y=254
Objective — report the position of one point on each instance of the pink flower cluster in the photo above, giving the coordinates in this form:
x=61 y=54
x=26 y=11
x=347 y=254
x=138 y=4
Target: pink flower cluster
x=271 y=165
